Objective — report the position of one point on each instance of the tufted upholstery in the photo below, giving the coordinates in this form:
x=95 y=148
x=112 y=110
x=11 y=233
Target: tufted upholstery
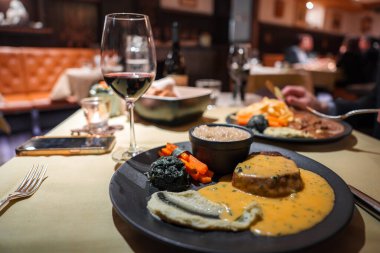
x=27 y=75
x=12 y=78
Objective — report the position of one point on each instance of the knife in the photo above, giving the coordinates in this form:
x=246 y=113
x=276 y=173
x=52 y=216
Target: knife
x=369 y=204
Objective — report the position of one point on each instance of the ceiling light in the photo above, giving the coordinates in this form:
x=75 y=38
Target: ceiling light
x=309 y=5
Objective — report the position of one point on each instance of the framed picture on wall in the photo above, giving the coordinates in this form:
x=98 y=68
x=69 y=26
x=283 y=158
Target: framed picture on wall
x=278 y=8
x=336 y=21
x=300 y=14
x=205 y=7
x=366 y=23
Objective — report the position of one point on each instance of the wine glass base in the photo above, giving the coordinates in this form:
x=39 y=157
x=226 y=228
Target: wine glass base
x=121 y=155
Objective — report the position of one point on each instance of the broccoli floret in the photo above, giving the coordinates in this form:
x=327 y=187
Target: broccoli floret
x=168 y=173
x=258 y=122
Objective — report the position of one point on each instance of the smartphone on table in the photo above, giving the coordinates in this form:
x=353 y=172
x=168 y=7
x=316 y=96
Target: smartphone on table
x=72 y=145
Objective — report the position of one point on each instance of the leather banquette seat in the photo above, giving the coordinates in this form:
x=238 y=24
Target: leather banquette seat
x=27 y=76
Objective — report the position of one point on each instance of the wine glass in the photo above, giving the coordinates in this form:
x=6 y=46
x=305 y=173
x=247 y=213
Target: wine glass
x=238 y=66
x=128 y=63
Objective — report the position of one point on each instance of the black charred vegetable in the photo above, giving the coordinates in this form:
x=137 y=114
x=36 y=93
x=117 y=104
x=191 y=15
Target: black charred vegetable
x=168 y=173
x=258 y=122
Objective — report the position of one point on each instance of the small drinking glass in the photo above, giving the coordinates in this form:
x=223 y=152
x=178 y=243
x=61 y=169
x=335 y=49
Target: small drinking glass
x=96 y=112
x=214 y=86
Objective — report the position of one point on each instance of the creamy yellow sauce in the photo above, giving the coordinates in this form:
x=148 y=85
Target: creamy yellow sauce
x=267 y=166
x=281 y=216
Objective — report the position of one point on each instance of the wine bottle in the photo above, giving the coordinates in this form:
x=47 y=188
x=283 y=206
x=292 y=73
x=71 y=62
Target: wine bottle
x=175 y=62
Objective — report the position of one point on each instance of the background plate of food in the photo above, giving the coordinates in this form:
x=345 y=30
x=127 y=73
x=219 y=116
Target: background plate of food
x=272 y=119
x=130 y=192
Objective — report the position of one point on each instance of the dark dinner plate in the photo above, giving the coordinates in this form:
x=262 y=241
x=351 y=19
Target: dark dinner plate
x=130 y=192
x=347 y=131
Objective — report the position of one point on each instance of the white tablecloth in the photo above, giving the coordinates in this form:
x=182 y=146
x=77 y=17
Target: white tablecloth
x=72 y=210
x=76 y=83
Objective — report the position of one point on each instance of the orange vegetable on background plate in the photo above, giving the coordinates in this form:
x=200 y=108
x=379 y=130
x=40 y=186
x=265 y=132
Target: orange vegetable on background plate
x=276 y=112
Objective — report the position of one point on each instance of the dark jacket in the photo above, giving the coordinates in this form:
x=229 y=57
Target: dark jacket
x=370 y=61
x=350 y=64
x=370 y=101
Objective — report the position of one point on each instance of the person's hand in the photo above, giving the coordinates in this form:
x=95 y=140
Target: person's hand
x=299 y=97
x=343 y=49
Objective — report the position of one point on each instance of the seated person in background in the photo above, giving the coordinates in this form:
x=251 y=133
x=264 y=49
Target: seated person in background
x=301 y=52
x=349 y=62
x=299 y=97
x=369 y=58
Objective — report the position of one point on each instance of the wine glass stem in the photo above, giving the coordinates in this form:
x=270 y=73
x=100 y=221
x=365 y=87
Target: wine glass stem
x=236 y=91
x=132 y=141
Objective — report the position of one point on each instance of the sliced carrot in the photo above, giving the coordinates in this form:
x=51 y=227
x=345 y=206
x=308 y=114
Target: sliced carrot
x=205 y=180
x=195 y=168
x=171 y=146
x=166 y=151
x=274 y=123
x=192 y=172
x=243 y=119
x=209 y=173
x=201 y=167
x=185 y=156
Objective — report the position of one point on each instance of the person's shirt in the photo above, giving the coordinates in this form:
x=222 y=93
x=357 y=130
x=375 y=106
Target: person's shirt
x=294 y=55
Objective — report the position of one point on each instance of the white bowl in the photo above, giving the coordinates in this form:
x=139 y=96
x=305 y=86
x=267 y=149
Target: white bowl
x=189 y=105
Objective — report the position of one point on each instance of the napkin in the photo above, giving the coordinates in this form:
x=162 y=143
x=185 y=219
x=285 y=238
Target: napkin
x=164 y=87
x=61 y=89
x=163 y=83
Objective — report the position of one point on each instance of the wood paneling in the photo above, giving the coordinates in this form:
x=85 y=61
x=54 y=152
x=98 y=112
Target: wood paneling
x=67 y=23
x=191 y=24
x=79 y=23
x=348 y=5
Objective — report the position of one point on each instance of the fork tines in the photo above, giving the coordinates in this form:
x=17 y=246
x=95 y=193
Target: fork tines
x=33 y=179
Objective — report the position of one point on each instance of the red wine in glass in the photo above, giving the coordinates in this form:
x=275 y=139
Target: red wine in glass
x=129 y=85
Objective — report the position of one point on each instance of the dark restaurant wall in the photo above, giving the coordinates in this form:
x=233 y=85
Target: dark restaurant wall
x=192 y=24
x=78 y=23
x=66 y=23
x=201 y=61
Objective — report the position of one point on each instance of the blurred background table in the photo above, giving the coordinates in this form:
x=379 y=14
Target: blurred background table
x=278 y=76
x=75 y=83
x=72 y=211
x=323 y=73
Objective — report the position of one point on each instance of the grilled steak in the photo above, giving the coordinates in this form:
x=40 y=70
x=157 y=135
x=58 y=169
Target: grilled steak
x=268 y=174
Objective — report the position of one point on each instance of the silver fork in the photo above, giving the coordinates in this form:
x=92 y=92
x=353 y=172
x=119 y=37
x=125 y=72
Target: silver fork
x=28 y=186
x=343 y=116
